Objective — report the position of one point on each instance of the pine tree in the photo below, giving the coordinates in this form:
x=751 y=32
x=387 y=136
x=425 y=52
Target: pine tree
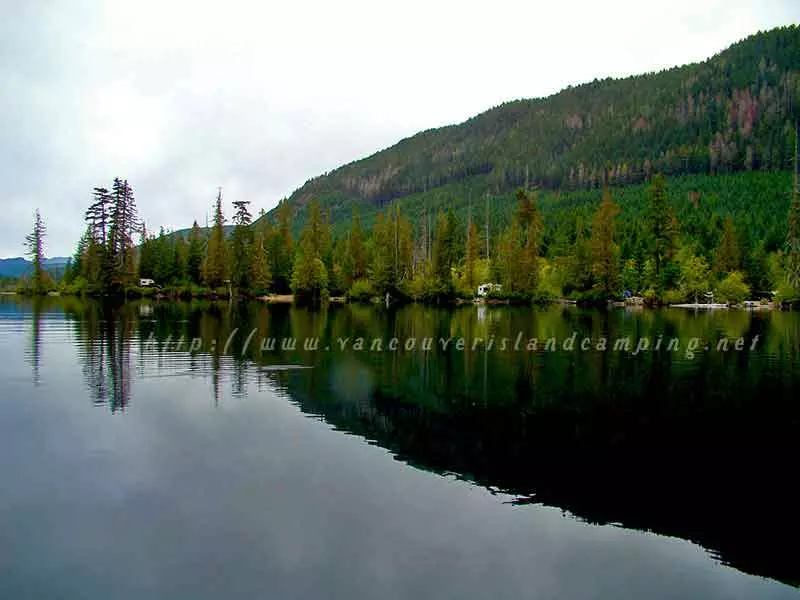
x=471 y=255
x=241 y=240
x=99 y=214
x=508 y=261
x=214 y=269
x=194 y=261
x=147 y=258
x=604 y=249
x=164 y=258
x=531 y=228
x=727 y=257
x=694 y=277
x=661 y=227
x=581 y=277
x=180 y=258
x=793 y=234
x=383 y=275
x=260 y=276
x=310 y=276
x=356 y=248
x=444 y=247
x=123 y=225
x=281 y=249
x=34 y=242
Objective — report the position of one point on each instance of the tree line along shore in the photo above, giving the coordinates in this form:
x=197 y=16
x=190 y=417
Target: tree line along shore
x=653 y=257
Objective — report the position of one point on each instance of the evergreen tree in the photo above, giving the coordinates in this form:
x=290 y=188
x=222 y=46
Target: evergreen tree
x=727 y=257
x=34 y=242
x=310 y=276
x=194 y=262
x=695 y=277
x=164 y=258
x=444 y=247
x=356 y=248
x=341 y=279
x=180 y=258
x=630 y=278
x=604 y=249
x=123 y=225
x=260 y=276
x=581 y=277
x=214 y=269
x=147 y=256
x=508 y=259
x=99 y=214
x=241 y=240
x=471 y=254
x=661 y=227
x=281 y=249
x=383 y=276
x=793 y=234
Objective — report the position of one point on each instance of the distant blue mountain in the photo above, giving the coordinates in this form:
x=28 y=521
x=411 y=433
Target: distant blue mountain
x=16 y=267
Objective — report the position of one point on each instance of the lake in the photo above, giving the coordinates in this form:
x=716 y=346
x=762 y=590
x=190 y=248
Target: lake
x=239 y=450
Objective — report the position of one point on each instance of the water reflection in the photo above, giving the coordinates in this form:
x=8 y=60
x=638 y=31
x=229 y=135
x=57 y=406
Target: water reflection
x=703 y=449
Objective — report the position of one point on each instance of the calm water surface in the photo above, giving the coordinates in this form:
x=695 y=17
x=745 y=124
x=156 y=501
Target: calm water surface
x=133 y=466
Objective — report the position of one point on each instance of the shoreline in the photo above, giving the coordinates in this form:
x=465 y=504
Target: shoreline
x=749 y=305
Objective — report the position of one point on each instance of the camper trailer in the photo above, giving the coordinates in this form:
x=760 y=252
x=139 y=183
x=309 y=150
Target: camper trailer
x=485 y=288
x=146 y=283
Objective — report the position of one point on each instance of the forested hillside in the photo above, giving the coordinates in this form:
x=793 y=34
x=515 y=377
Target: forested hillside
x=733 y=112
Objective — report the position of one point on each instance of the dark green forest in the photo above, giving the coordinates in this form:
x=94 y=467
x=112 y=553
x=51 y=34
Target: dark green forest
x=734 y=112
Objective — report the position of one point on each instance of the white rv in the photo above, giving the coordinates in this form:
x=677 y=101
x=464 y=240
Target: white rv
x=146 y=283
x=485 y=288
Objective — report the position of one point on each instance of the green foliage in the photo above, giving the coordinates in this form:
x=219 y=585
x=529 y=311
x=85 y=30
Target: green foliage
x=604 y=248
x=695 y=278
x=630 y=279
x=194 y=262
x=280 y=248
x=215 y=266
x=310 y=275
x=361 y=291
x=728 y=257
x=733 y=112
x=733 y=288
x=240 y=245
x=39 y=282
x=260 y=275
x=661 y=227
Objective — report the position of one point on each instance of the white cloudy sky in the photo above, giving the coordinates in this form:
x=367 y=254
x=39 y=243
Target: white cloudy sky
x=257 y=97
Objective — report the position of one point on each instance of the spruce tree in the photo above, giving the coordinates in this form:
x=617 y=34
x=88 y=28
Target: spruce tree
x=214 y=269
x=280 y=248
x=727 y=257
x=260 y=276
x=383 y=274
x=471 y=256
x=123 y=225
x=604 y=249
x=241 y=240
x=194 y=261
x=310 y=276
x=34 y=243
x=793 y=233
x=660 y=227
x=356 y=248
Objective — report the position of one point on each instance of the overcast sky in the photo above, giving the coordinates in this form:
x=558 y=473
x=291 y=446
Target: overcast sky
x=180 y=98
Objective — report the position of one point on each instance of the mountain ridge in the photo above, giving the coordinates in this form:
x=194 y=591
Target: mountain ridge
x=731 y=112
x=17 y=266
